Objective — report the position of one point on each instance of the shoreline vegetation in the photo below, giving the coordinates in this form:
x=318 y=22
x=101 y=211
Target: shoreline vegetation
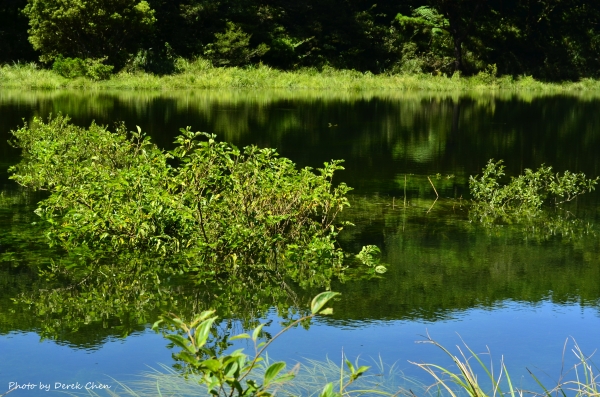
x=201 y=74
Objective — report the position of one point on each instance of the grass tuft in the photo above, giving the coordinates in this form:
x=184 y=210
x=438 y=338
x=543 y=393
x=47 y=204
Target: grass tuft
x=582 y=380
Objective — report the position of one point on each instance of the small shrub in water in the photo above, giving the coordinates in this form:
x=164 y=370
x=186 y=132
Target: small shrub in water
x=224 y=205
x=526 y=193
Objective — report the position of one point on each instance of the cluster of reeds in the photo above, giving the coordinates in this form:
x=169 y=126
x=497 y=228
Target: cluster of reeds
x=581 y=380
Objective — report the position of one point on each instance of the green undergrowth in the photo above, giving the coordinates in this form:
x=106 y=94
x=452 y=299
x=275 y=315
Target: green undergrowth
x=200 y=74
x=219 y=206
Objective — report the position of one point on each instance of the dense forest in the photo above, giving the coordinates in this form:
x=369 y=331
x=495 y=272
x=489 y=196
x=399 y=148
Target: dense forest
x=547 y=39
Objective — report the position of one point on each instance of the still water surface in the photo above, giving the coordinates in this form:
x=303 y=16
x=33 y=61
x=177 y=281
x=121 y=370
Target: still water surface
x=519 y=290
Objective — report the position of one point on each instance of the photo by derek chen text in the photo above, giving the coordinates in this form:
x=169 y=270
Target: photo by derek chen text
x=57 y=386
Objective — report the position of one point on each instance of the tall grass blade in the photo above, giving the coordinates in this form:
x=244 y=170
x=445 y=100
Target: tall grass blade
x=546 y=392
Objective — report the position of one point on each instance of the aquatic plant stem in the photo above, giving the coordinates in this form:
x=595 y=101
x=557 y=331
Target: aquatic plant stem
x=436 y=193
x=404 y=190
x=261 y=351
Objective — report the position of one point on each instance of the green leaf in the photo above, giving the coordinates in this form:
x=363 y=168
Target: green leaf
x=327 y=391
x=232 y=369
x=240 y=336
x=256 y=332
x=177 y=322
x=187 y=357
x=181 y=342
x=273 y=370
x=361 y=370
x=380 y=269
x=201 y=334
x=350 y=366
x=321 y=300
x=284 y=378
x=212 y=364
x=205 y=314
x=156 y=324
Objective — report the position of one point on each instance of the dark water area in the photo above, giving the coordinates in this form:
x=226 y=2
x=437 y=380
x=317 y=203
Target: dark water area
x=520 y=289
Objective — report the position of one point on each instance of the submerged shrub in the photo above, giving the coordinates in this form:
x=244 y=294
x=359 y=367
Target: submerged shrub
x=526 y=193
x=224 y=205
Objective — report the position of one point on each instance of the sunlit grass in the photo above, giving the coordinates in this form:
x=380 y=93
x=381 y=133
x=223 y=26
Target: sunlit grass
x=469 y=374
x=381 y=379
x=312 y=376
x=464 y=377
x=200 y=74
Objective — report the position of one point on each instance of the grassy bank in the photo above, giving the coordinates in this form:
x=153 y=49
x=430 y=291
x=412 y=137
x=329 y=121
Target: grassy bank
x=201 y=74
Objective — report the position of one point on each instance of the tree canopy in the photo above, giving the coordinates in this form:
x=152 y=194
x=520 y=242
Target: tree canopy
x=548 y=39
x=88 y=28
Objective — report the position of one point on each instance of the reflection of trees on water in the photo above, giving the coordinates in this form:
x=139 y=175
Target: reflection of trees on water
x=84 y=300
x=438 y=262
x=84 y=297
x=442 y=261
x=377 y=133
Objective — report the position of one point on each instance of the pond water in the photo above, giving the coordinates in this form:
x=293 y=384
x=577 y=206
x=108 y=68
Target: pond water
x=518 y=289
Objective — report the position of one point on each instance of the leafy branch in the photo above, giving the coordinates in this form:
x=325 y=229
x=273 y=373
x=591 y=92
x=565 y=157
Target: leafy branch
x=225 y=375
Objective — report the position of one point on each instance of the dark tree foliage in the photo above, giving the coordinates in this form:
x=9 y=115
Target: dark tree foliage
x=549 y=39
x=564 y=38
x=343 y=34
x=462 y=17
x=93 y=29
x=14 y=46
x=187 y=25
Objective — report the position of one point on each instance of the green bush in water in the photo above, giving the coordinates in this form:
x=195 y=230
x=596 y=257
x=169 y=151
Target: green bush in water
x=525 y=194
x=210 y=199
